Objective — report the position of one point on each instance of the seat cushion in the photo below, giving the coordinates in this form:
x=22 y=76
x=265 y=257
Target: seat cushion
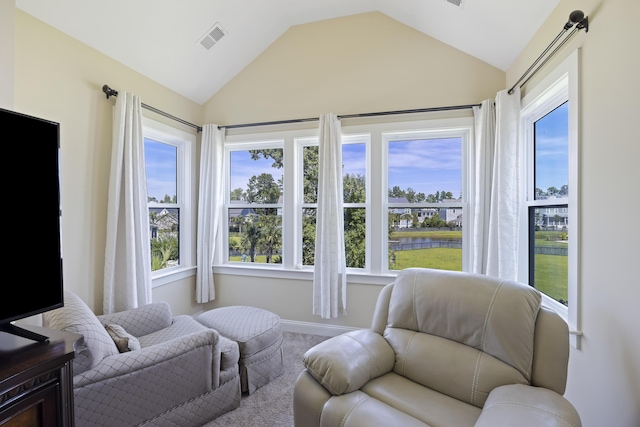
x=427 y=405
x=357 y=409
x=78 y=318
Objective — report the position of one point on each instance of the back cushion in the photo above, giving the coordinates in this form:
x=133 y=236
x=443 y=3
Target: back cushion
x=462 y=334
x=78 y=318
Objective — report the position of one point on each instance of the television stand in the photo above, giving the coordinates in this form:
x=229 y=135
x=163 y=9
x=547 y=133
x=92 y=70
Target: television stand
x=36 y=381
x=12 y=329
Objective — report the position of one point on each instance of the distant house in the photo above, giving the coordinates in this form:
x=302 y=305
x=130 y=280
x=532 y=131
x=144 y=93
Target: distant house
x=237 y=215
x=164 y=222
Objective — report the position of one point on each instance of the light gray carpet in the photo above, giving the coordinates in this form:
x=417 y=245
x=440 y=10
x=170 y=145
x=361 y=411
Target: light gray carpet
x=272 y=405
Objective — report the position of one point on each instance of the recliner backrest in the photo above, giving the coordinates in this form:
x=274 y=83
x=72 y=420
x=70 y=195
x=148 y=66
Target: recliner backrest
x=461 y=334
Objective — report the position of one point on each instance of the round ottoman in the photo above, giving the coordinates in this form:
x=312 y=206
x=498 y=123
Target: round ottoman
x=259 y=337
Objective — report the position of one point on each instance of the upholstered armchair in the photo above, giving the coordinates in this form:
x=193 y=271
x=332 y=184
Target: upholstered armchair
x=444 y=349
x=146 y=367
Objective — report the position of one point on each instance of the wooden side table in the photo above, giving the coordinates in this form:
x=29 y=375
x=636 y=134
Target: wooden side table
x=36 y=379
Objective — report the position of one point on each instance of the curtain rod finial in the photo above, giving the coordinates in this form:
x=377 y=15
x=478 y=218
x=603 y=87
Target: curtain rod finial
x=108 y=91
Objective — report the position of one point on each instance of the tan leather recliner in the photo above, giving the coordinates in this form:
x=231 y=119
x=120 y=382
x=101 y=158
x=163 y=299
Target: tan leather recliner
x=444 y=349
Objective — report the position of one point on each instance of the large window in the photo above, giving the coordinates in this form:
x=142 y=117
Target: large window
x=168 y=167
x=425 y=212
x=254 y=209
x=549 y=256
x=404 y=197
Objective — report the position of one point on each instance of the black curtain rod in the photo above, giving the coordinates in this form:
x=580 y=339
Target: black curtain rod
x=111 y=92
x=352 y=116
x=576 y=18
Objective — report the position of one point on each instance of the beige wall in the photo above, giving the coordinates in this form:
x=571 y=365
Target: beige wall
x=7 y=48
x=356 y=64
x=60 y=79
x=604 y=375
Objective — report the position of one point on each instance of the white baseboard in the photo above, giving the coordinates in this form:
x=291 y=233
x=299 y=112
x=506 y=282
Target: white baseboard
x=314 y=328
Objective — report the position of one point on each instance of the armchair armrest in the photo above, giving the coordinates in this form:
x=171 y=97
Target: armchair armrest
x=346 y=362
x=530 y=406
x=141 y=320
x=188 y=350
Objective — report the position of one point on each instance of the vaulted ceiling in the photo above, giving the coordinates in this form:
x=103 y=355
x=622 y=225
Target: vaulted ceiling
x=165 y=39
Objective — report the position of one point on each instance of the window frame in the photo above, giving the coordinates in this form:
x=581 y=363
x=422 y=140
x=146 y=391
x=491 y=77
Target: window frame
x=559 y=86
x=252 y=143
x=293 y=140
x=442 y=131
x=185 y=187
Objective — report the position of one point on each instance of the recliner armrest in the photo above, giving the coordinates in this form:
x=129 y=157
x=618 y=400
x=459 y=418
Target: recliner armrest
x=527 y=406
x=346 y=362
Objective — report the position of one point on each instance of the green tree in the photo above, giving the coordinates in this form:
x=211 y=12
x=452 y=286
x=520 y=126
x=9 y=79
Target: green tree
x=237 y=194
x=397 y=192
x=250 y=238
x=270 y=235
x=263 y=189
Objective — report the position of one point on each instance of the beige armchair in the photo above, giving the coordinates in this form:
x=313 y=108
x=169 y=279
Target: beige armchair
x=444 y=349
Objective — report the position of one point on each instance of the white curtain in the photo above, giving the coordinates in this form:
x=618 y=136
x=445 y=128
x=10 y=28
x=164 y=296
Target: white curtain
x=329 y=278
x=210 y=205
x=497 y=193
x=127 y=270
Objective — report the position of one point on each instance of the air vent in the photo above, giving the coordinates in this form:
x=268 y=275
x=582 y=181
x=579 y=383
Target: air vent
x=213 y=36
x=456 y=2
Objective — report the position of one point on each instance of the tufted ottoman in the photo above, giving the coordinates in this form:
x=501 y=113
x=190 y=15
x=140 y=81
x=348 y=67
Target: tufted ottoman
x=259 y=337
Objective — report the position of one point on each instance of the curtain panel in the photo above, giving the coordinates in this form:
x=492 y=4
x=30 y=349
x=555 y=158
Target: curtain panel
x=329 y=278
x=497 y=192
x=210 y=205
x=127 y=271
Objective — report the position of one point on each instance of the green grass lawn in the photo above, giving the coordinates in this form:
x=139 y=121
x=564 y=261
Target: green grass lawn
x=442 y=258
x=551 y=275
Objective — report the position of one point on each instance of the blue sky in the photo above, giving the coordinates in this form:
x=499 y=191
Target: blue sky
x=552 y=155
x=425 y=165
x=161 y=164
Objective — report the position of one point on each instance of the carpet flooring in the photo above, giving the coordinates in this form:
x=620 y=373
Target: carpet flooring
x=272 y=405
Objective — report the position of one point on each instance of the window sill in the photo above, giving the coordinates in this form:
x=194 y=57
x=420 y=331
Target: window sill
x=258 y=270
x=168 y=275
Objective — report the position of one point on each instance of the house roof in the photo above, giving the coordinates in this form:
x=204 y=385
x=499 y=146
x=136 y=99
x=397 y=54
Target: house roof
x=165 y=40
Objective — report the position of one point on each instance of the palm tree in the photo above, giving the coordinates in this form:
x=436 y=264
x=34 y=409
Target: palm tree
x=270 y=234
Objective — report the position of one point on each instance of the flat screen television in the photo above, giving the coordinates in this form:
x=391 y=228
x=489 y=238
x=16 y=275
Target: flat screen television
x=32 y=220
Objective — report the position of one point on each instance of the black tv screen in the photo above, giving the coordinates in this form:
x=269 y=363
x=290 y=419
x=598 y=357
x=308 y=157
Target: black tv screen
x=32 y=239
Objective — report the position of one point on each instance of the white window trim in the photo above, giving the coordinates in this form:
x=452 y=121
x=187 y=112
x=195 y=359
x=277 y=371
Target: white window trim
x=558 y=86
x=185 y=170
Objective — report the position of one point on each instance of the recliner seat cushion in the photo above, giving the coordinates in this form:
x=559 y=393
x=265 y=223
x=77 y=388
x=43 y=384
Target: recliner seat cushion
x=427 y=405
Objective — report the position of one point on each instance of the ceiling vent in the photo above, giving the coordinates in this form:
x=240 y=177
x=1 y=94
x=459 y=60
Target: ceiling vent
x=456 y=2
x=213 y=36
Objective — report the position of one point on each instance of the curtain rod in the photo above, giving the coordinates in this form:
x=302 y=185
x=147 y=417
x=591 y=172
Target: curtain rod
x=352 y=116
x=111 y=92
x=576 y=18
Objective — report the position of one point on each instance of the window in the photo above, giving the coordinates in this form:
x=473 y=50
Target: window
x=404 y=197
x=168 y=166
x=354 y=183
x=254 y=209
x=549 y=132
x=425 y=200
